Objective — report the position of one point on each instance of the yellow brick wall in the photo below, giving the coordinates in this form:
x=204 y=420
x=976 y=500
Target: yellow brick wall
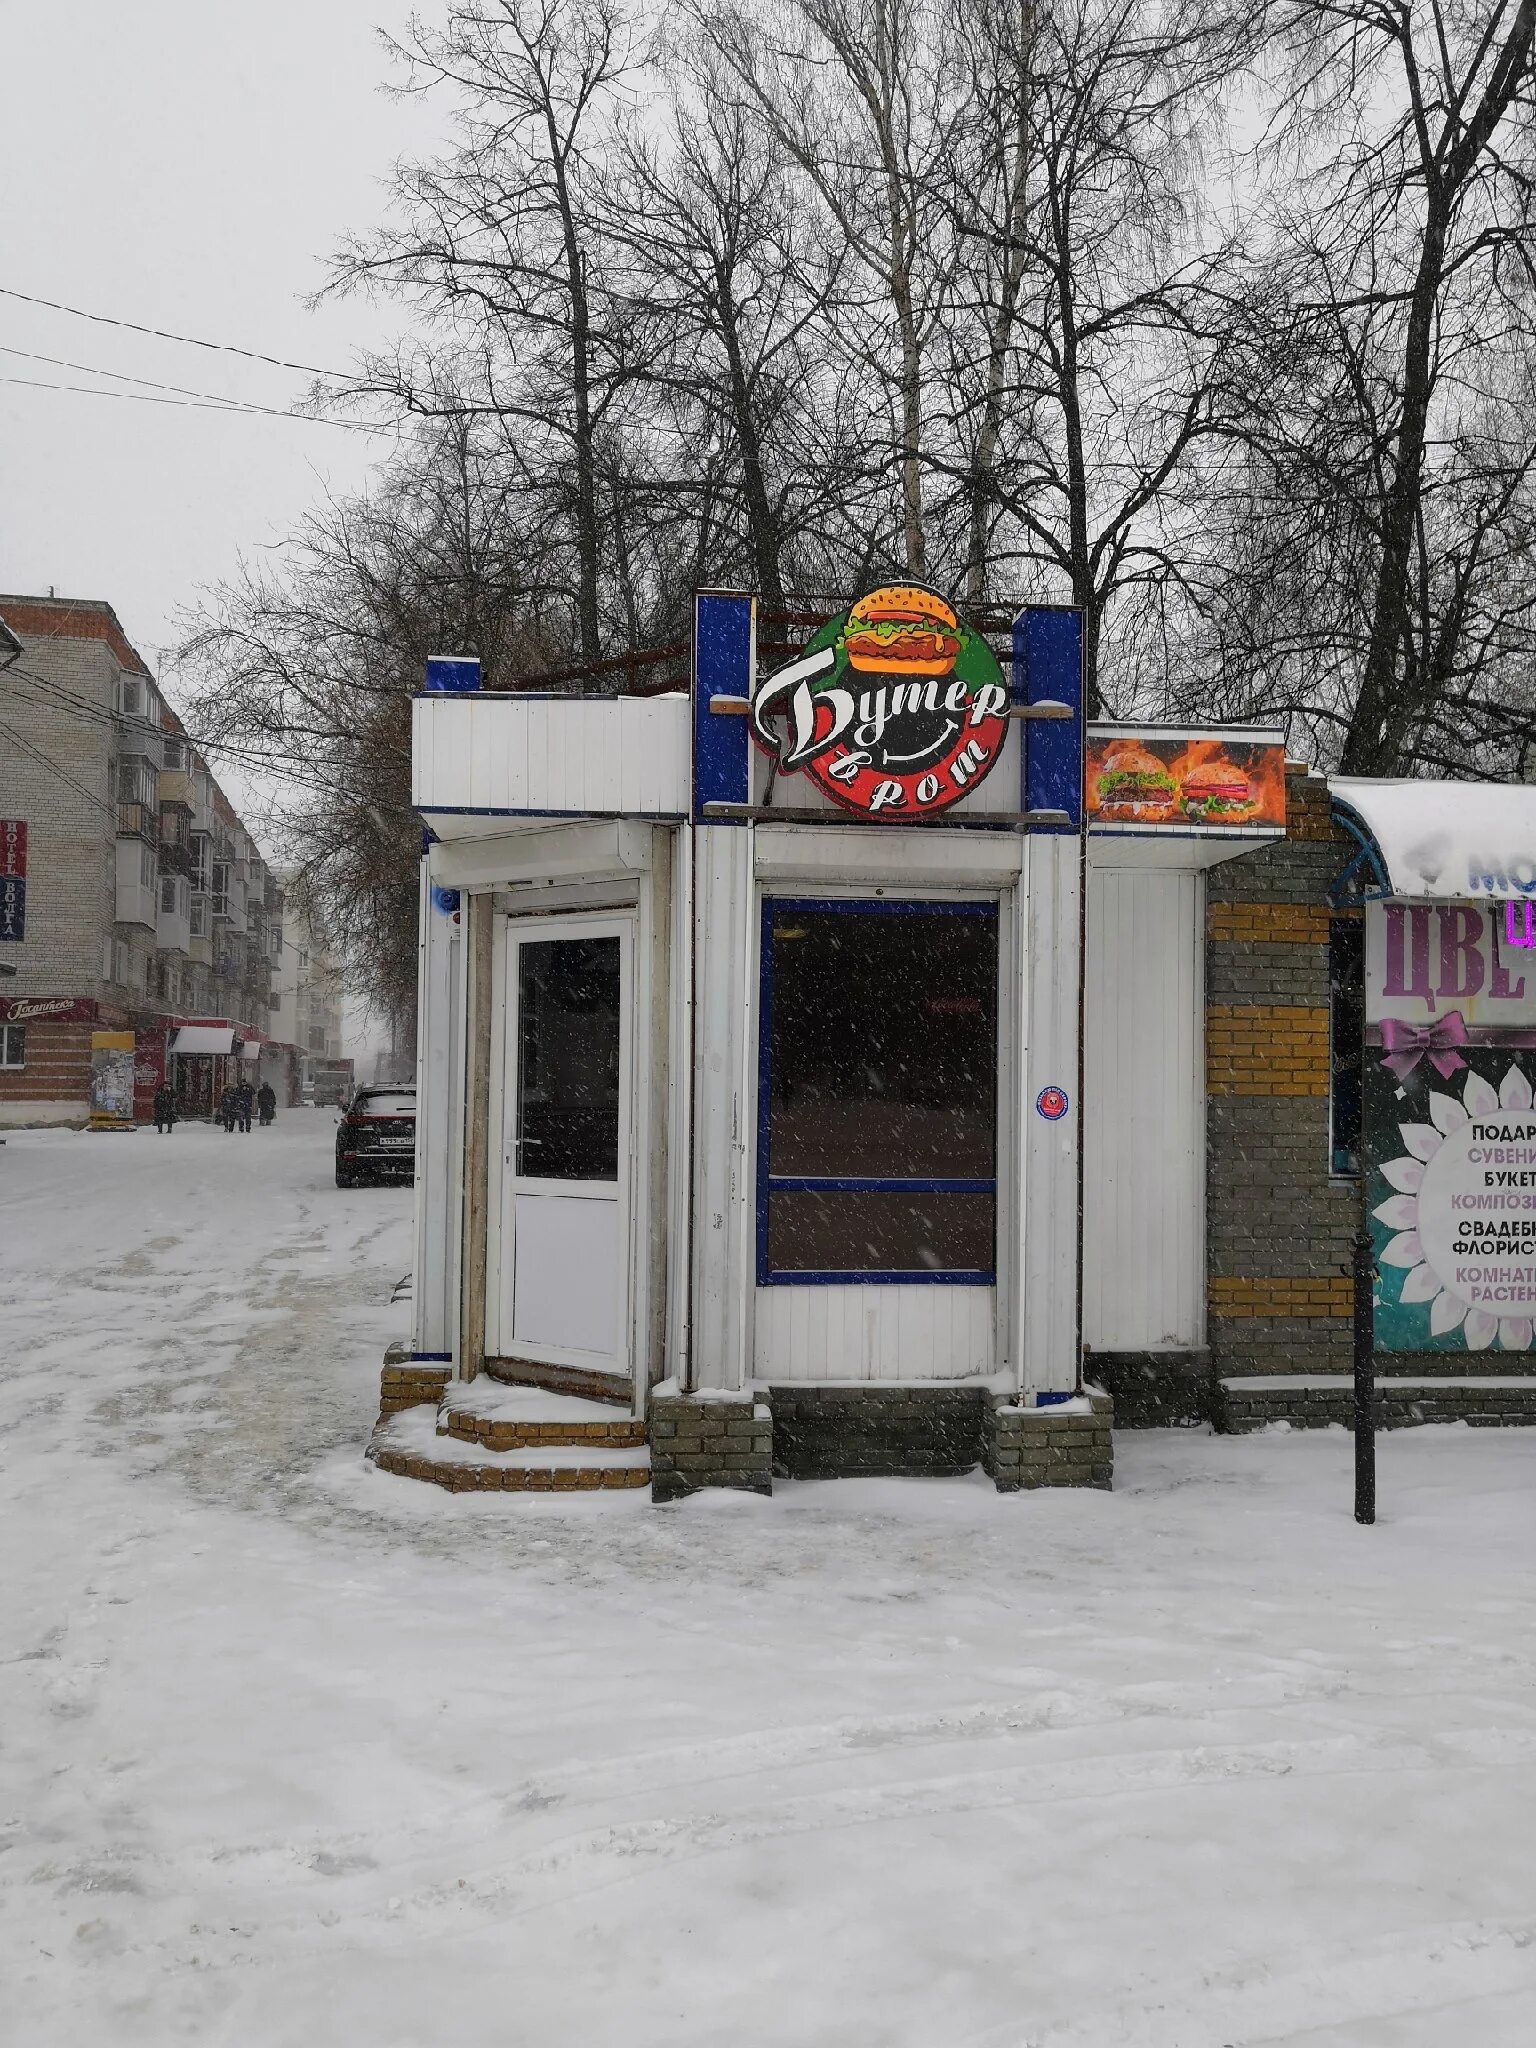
x=1269 y=924
x=1266 y=1049
x=1281 y=1297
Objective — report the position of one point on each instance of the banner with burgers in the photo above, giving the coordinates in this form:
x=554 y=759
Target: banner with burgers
x=895 y=709
x=1149 y=778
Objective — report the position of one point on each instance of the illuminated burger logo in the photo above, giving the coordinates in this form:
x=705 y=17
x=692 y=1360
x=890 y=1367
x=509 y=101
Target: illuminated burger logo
x=894 y=709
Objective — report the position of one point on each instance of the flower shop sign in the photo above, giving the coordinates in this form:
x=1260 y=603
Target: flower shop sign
x=1450 y=1102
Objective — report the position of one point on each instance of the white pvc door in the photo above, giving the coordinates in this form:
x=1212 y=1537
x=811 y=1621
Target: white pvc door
x=558 y=1272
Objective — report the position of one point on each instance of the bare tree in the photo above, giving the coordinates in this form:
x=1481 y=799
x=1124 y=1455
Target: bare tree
x=495 y=235
x=1412 y=246
x=1105 y=288
x=306 y=671
x=862 y=97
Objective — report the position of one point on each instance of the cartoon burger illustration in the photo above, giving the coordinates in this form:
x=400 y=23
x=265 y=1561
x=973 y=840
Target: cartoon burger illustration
x=1217 y=794
x=902 y=631
x=1134 y=786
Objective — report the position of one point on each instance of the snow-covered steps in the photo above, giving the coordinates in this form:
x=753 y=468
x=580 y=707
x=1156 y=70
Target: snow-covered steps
x=487 y=1438
x=1316 y=1400
x=508 y=1418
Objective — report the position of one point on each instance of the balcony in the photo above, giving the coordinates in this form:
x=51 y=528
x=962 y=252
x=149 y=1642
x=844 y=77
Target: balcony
x=136 y=891
x=139 y=821
x=173 y=924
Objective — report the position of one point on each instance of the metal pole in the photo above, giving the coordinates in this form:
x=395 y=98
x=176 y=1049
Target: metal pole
x=1364 y=1326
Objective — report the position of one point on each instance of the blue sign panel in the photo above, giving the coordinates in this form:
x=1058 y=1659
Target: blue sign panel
x=1048 y=668
x=722 y=667
x=13 y=907
x=453 y=673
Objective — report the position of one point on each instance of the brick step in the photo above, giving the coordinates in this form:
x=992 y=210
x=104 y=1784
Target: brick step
x=410 y=1446
x=1324 y=1400
x=511 y=1418
x=613 y=1388
x=517 y=1436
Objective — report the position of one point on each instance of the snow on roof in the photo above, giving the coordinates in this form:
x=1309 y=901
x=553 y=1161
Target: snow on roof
x=1446 y=839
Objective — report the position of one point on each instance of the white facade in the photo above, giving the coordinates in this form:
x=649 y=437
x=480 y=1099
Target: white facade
x=659 y=1264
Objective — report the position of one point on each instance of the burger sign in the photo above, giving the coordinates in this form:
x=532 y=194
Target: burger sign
x=895 y=709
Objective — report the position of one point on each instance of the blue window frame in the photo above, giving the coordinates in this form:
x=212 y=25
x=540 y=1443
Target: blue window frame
x=877 y=1093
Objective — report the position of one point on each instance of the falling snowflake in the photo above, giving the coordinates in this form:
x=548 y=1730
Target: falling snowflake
x=1426 y=1181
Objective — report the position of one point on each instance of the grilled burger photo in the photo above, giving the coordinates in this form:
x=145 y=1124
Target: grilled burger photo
x=902 y=630
x=1217 y=794
x=1134 y=786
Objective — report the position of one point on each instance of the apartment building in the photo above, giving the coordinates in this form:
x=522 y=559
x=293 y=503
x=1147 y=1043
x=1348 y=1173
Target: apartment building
x=142 y=910
x=306 y=1002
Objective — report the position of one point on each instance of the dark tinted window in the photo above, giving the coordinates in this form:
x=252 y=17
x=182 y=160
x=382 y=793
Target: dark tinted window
x=568 y=1059
x=881 y=1039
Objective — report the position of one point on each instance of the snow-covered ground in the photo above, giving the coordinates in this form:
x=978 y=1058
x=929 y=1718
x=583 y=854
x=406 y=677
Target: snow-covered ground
x=292 y=1752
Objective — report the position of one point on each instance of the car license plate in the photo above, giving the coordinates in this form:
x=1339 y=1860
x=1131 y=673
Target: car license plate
x=398 y=1144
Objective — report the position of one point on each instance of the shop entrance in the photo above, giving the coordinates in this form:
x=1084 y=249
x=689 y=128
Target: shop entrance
x=557 y=1278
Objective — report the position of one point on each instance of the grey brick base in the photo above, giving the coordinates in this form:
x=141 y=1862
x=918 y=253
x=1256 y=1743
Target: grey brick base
x=1400 y=1404
x=709 y=1442
x=868 y=1431
x=1029 y=1447
x=1157 y=1389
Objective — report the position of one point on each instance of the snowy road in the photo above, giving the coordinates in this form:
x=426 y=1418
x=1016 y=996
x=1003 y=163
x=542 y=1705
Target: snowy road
x=295 y=1753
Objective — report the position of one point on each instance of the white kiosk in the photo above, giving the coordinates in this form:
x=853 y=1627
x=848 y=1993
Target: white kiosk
x=834 y=1032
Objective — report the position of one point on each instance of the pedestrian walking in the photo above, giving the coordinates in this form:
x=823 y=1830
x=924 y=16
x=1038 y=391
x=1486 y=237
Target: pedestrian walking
x=245 y=1098
x=165 y=1107
x=228 y=1107
x=266 y=1103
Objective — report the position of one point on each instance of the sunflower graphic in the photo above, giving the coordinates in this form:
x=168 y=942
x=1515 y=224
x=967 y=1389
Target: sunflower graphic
x=1459 y=1238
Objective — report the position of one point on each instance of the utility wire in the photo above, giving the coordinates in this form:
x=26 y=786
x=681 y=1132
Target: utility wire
x=224 y=348
x=122 y=376
x=48 y=762
x=206 y=403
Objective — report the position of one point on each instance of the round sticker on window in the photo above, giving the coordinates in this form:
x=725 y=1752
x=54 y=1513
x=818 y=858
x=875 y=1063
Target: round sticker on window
x=1051 y=1103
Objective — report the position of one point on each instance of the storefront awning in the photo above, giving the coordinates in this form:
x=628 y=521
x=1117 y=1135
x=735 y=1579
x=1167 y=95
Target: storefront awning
x=204 y=1038
x=1444 y=839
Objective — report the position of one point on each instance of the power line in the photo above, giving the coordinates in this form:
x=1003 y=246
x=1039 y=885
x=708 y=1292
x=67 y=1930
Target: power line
x=206 y=403
x=48 y=762
x=122 y=376
x=224 y=348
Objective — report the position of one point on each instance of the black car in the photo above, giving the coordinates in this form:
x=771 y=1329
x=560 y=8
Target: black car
x=376 y=1138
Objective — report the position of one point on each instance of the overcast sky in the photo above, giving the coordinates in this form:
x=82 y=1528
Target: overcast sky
x=186 y=166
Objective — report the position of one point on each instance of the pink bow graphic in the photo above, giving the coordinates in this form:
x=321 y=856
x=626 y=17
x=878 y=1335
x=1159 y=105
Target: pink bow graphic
x=1407 y=1044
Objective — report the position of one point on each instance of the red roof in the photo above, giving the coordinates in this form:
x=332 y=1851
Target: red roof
x=73 y=618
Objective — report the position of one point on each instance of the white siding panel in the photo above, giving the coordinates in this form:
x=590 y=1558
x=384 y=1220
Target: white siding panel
x=1048 y=1209
x=724 y=1033
x=874 y=1333
x=624 y=756
x=1144 y=1112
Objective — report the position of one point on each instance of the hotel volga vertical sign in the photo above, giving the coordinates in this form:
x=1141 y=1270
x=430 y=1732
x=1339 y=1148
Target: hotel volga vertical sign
x=13 y=879
x=1450 y=1102
x=895 y=709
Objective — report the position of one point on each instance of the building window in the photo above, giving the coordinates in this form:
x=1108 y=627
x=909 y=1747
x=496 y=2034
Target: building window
x=1346 y=1025
x=120 y=962
x=175 y=753
x=148 y=867
x=877 y=1092
x=13 y=1045
x=198 y=915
